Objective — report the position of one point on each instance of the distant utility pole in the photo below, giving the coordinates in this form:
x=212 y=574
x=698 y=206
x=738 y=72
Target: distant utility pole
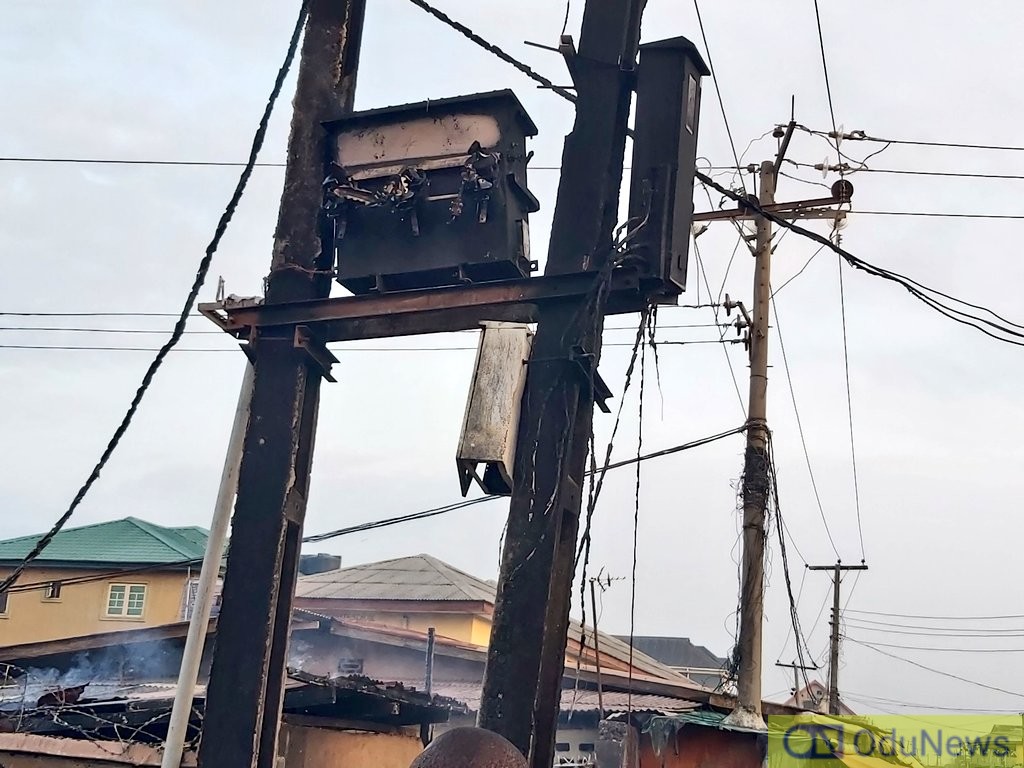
x=246 y=687
x=756 y=474
x=833 y=660
x=526 y=657
x=797 y=669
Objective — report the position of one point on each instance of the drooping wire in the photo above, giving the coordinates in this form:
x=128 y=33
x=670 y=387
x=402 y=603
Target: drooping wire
x=493 y=49
x=718 y=93
x=849 y=410
x=920 y=291
x=828 y=84
x=803 y=651
x=636 y=522
x=179 y=326
x=800 y=428
x=936 y=671
x=715 y=311
x=861 y=136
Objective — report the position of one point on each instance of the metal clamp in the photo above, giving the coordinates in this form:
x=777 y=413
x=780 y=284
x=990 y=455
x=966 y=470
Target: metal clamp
x=321 y=357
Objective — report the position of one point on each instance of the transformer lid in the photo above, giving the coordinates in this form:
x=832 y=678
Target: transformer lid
x=680 y=44
x=495 y=99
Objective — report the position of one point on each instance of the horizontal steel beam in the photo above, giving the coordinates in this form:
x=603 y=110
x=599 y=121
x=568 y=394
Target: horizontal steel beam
x=435 y=310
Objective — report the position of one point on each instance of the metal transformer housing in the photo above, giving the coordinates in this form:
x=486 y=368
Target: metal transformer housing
x=664 y=159
x=430 y=194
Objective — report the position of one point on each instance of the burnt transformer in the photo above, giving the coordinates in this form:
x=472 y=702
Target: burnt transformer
x=430 y=194
x=664 y=159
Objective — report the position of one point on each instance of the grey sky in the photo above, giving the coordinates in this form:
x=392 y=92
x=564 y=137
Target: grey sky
x=936 y=405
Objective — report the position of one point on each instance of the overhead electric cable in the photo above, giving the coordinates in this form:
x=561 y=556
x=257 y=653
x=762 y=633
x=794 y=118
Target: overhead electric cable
x=179 y=327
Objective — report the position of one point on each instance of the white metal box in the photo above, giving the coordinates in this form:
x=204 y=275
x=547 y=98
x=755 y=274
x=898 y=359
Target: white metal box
x=492 y=409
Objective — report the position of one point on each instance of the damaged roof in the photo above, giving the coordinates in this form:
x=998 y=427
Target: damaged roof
x=129 y=541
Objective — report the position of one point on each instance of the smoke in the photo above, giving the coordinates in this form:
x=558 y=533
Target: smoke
x=106 y=673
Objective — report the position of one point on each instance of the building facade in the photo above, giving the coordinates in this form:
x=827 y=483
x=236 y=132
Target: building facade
x=123 y=574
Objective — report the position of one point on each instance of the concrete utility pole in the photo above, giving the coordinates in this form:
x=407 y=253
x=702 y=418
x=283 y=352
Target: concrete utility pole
x=526 y=658
x=755 y=475
x=833 y=659
x=797 y=668
x=246 y=687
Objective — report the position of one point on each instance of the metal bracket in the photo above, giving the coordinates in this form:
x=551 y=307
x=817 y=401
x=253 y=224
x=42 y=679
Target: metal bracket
x=584 y=361
x=321 y=357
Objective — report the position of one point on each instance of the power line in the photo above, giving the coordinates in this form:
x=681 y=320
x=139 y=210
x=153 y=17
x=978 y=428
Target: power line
x=849 y=407
x=934 y=628
x=715 y=311
x=920 y=291
x=56 y=329
x=798 y=637
x=940 y=618
x=124 y=161
x=179 y=327
x=936 y=671
x=800 y=429
x=367 y=526
x=200 y=163
x=945 y=650
x=493 y=49
x=48 y=329
x=1017 y=632
x=872 y=701
x=941 y=214
x=718 y=93
x=908 y=172
x=861 y=136
x=95 y=314
x=218 y=350
x=828 y=85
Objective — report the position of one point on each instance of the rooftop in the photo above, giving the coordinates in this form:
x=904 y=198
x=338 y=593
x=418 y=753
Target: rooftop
x=129 y=541
x=420 y=577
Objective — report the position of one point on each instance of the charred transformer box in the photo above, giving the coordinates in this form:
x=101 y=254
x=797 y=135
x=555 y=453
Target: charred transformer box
x=430 y=194
x=664 y=159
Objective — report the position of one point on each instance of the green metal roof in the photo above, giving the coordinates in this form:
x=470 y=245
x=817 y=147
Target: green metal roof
x=128 y=541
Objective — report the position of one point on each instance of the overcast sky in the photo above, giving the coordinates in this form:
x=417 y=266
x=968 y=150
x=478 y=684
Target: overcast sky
x=936 y=407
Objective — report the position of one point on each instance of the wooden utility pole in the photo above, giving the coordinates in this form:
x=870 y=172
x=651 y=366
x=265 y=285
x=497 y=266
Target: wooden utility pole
x=833 y=659
x=246 y=687
x=755 y=475
x=526 y=658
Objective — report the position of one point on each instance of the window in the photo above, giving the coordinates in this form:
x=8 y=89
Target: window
x=562 y=746
x=127 y=600
x=52 y=591
x=586 y=747
x=3 y=603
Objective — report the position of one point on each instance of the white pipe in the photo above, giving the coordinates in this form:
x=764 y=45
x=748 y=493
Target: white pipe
x=177 y=728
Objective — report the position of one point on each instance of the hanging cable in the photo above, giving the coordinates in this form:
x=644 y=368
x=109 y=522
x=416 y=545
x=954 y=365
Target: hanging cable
x=828 y=84
x=800 y=429
x=179 y=326
x=849 y=409
x=493 y=49
x=718 y=93
x=920 y=291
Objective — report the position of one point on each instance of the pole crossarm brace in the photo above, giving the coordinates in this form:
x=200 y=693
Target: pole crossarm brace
x=436 y=310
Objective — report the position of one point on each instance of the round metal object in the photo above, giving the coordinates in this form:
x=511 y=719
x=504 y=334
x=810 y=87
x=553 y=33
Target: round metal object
x=842 y=190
